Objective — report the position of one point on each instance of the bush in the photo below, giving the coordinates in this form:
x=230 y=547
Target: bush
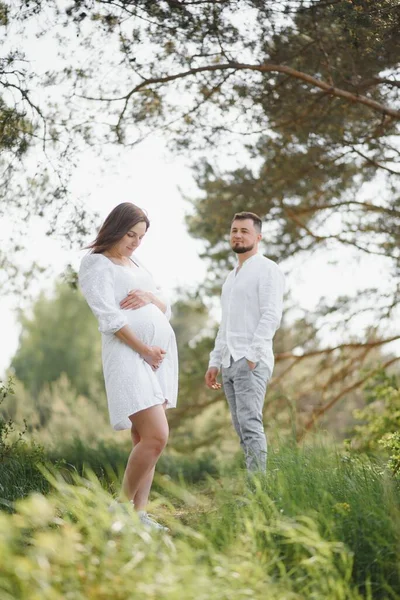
x=57 y=413
x=20 y=474
x=19 y=460
x=380 y=420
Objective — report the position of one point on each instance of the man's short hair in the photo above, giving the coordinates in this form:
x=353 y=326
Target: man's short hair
x=241 y=216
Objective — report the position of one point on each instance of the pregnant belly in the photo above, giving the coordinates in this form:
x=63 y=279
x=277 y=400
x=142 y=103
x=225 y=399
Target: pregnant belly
x=150 y=325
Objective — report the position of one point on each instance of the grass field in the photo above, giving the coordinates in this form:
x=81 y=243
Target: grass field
x=320 y=524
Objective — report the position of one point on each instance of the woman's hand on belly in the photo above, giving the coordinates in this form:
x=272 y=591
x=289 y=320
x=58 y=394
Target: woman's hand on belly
x=136 y=299
x=154 y=355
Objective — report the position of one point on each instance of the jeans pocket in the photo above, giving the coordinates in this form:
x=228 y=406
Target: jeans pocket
x=246 y=362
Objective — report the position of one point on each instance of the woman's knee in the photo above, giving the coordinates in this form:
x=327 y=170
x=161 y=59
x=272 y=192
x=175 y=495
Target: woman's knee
x=152 y=428
x=156 y=440
x=159 y=441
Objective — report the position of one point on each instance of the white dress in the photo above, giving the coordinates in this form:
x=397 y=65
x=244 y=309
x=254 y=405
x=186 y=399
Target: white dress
x=131 y=384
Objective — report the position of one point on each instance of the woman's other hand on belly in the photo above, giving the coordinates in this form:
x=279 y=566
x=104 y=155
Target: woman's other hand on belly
x=154 y=355
x=136 y=299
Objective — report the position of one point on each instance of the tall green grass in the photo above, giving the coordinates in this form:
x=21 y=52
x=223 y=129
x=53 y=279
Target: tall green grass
x=320 y=524
x=20 y=475
x=350 y=500
x=69 y=546
x=105 y=458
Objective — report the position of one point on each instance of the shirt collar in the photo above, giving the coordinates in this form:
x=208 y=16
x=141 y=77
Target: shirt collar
x=249 y=260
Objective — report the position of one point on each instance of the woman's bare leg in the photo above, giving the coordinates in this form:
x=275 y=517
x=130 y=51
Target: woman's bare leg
x=142 y=495
x=151 y=429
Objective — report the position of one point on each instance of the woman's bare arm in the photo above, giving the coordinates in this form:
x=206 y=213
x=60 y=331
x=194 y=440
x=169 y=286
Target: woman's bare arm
x=151 y=354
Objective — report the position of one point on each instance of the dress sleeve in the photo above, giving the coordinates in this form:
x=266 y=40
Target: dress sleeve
x=96 y=280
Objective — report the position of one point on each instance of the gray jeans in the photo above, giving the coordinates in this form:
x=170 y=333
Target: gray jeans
x=245 y=392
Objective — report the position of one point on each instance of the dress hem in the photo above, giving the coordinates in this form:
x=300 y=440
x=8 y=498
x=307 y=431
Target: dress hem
x=123 y=423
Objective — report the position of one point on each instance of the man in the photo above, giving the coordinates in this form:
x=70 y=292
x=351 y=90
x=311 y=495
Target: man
x=251 y=300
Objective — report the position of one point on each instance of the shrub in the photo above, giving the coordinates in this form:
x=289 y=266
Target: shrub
x=19 y=473
x=380 y=420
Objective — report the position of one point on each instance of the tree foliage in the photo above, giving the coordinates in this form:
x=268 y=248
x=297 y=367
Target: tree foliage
x=230 y=62
x=59 y=336
x=306 y=92
x=288 y=109
x=380 y=414
x=304 y=98
x=379 y=419
x=39 y=147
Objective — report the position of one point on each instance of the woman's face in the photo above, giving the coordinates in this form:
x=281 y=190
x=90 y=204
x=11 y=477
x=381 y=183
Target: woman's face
x=131 y=240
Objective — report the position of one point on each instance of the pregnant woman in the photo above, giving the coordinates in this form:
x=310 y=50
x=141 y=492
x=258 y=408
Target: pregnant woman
x=140 y=361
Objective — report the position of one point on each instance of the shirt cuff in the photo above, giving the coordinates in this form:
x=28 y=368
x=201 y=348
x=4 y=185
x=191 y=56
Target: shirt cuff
x=213 y=365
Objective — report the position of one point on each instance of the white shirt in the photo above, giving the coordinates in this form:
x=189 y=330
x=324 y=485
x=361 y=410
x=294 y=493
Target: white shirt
x=251 y=300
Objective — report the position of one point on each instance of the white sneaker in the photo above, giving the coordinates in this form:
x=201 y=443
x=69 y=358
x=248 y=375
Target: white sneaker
x=116 y=507
x=149 y=522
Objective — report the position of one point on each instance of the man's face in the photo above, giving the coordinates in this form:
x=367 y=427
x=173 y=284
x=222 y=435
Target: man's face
x=244 y=236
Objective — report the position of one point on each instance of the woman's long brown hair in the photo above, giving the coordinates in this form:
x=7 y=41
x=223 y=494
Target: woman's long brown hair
x=120 y=220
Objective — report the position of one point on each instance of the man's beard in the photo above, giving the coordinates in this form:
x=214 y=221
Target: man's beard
x=242 y=249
